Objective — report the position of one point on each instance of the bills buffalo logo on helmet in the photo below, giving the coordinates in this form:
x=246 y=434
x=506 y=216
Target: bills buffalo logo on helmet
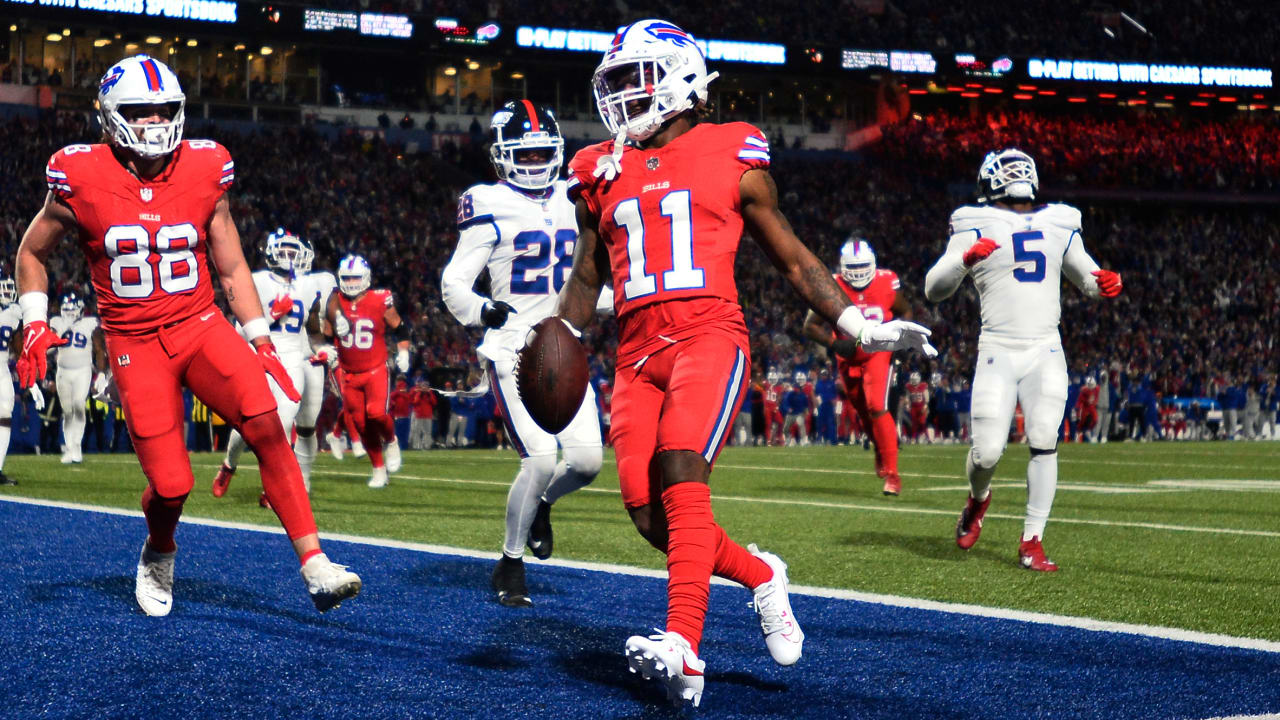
x=111 y=78
x=667 y=31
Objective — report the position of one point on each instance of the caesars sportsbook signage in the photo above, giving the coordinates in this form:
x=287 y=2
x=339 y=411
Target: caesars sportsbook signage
x=220 y=11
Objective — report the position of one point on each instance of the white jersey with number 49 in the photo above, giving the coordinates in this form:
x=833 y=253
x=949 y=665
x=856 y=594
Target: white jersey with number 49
x=526 y=241
x=289 y=332
x=1019 y=283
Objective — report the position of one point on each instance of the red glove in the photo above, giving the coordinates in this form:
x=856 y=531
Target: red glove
x=271 y=363
x=281 y=306
x=1108 y=283
x=37 y=339
x=979 y=251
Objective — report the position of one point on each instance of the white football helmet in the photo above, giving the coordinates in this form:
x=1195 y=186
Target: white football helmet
x=857 y=262
x=1007 y=174
x=287 y=254
x=72 y=306
x=774 y=377
x=354 y=275
x=8 y=291
x=914 y=378
x=141 y=80
x=652 y=72
x=519 y=127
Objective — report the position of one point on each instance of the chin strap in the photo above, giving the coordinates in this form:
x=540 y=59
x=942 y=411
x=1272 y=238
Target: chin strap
x=610 y=166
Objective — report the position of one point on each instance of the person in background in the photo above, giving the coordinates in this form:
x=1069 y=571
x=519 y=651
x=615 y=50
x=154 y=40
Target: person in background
x=401 y=408
x=422 y=425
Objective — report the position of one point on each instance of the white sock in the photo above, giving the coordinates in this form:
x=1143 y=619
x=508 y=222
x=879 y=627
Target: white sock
x=305 y=450
x=5 y=431
x=979 y=478
x=1042 y=484
x=235 y=446
x=522 y=501
x=73 y=430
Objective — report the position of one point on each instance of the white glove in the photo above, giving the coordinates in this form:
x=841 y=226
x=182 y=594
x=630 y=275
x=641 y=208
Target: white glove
x=341 y=326
x=325 y=355
x=402 y=360
x=896 y=335
x=37 y=397
x=100 y=384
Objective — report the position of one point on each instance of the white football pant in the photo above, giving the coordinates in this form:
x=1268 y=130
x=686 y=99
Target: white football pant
x=6 y=411
x=73 y=393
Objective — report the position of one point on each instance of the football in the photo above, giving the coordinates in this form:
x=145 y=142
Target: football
x=551 y=375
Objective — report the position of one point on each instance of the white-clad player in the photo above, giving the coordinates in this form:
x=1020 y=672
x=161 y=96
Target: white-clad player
x=1016 y=253
x=289 y=292
x=523 y=229
x=10 y=321
x=76 y=361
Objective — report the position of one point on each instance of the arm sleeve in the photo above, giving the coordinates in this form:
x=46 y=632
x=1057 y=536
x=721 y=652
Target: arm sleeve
x=475 y=245
x=945 y=276
x=1079 y=267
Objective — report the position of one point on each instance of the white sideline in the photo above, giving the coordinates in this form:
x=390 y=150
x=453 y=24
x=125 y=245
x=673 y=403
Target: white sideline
x=1153 y=631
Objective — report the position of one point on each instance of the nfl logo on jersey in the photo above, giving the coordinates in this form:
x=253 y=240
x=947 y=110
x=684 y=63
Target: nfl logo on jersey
x=652 y=163
x=146 y=194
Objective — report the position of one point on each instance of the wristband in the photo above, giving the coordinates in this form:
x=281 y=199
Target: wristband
x=35 y=307
x=851 y=322
x=255 y=328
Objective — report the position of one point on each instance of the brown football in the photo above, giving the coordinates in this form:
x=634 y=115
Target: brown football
x=551 y=375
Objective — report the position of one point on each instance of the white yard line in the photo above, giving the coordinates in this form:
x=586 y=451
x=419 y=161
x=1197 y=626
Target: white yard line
x=1079 y=623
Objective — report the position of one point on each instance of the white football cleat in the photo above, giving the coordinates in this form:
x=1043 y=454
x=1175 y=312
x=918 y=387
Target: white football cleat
x=782 y=633
x=335 y=446
x=392 y=453
x=153 y=587
x=329 y=583
x=379 y=478
x=668 y=657
x=357 y=449
x=66 y=458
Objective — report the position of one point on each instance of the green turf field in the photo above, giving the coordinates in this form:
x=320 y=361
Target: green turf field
x=1184 y=535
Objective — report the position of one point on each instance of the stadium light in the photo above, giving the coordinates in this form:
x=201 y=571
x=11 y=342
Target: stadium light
x=66 y=32
x=451 y=71
x=101 y=42
x=192 y=42
x=53 y=37
x=13 y=28
x=473 y=65
x=154 y=39
x=266 y=50
x=517 y=76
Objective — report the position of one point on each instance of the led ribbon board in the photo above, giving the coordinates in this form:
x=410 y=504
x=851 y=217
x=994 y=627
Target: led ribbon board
x=1144 y=73
x=223 y=11
x=597 y=42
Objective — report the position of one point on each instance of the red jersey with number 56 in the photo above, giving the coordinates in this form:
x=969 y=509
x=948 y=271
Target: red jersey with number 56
x=144 y=239
x=672 y=221
x=365 y=347
x=875 y=301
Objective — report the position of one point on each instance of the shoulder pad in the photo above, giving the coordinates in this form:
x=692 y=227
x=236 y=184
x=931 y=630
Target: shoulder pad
x=748 y=142
x=386 y=298
x=1063 y=216
x=475 y=206
x=971 y=217
x=66 y=166
x=583 y=166
x=211 y=154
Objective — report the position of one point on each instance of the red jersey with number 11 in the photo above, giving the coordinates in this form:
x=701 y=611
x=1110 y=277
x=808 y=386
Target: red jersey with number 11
x=144 y=239
x=365 y=347
x=672 y=221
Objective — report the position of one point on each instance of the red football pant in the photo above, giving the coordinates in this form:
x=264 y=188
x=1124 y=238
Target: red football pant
x=868 y=387
x=365 y=394
x=203 y=353
x=684 y=398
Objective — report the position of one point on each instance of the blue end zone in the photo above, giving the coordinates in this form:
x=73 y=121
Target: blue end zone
x=425 y=640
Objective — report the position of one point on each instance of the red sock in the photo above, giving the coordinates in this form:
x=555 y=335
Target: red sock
x=162 y=515
x=281 y=478
x=885 y=434
x=309 y=554
x=372 y=439
x=734 y=562
x=691 y=552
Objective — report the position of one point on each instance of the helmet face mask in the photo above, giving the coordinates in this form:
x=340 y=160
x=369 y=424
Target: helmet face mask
x=287 y=254
x=354 y=275
x=133 y=91
x=8 y=291
x=857 y=263
x=527 y=149
x=1008 y=175
x=652 y=72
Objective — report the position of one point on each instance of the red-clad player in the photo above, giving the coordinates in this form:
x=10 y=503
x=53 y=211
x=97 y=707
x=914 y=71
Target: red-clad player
x=661 y=211
x=771 y=391
x=918 y=406
x=876 y=292
x=360 y=318
x=605 y=394
x=1087 y=408
x=150 y=211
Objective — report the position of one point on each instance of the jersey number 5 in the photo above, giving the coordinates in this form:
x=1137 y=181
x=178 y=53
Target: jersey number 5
x=130 y=248
x=677 y=205
x=1022 y=254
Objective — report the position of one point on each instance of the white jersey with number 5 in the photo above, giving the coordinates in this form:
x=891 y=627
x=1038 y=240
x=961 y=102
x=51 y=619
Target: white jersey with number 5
x=526 y=241
x=1019 y=283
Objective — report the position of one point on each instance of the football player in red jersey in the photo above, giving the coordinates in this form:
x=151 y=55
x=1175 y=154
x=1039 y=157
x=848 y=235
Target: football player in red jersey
x=877 y=293
x=150 y=211
x=1087 y=406
x=918 y=407
x=360 y=318
x=662 y=208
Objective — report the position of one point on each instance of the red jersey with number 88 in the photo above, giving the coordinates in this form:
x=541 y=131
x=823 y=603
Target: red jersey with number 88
x=672 y=221
x=144 y=239
x=365 y=347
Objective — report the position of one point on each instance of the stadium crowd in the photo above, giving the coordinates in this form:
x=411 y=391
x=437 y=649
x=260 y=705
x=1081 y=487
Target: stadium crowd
x=1198 y=318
